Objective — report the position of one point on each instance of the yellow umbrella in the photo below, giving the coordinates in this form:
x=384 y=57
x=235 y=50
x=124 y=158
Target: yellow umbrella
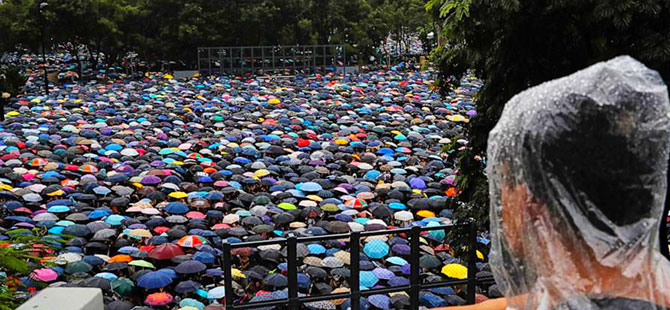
x=341 y=142
x=425 y=213
x=178 y=195
x=274 y=101
x=455 y=271
x=457 y=118
x=261 y=173
x=12 y=113
x=168 y=76
x=5 y=187
x=315 y=198
x=480 y=255
x=236 y=273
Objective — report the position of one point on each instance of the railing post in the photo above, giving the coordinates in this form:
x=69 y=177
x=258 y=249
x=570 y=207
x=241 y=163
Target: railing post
x=355 y=248
x=472 y=263
x=227 y=276
x=292 y=272
x=414 y=280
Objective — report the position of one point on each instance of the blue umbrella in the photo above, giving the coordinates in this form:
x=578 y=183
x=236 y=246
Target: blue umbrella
x=204 y=257
x=96 y=214
x=176 y=208
x=107 y=275
x=431 y=300
x=368 y=278
x=114 y=219
x=380 y=301
x=190 y=302
x=376 y=249
x=309 y=187
x=153 y=280
x=58 y=209
x=316 y=249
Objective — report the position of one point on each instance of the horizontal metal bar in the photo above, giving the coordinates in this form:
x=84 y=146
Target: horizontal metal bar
x=384 y=232
x=444 y=283
x=324 y=237
x=323 y=297
x=259 y=304
x=257 y=243
x=443 y=227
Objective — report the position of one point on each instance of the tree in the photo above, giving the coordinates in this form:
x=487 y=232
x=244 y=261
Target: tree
x=516 y=44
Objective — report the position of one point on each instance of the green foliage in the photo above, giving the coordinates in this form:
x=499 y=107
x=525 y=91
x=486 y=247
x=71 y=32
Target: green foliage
x=516 y=44
x=11 y=80
x=173 y=29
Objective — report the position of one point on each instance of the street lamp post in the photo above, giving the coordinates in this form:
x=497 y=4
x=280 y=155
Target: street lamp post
x=43 y=4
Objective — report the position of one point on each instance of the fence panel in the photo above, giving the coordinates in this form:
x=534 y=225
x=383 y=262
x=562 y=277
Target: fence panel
x=355 y=241
x=249 y=59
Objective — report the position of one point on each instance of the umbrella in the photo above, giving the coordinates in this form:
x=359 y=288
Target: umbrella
x=158 y=299
x=187 y=286
x=153 y=280
x=380 y=301
x=123 y=286
x=456 y=271
x=216 y=293
x=376 y=249
x=165 y=251
x=190 y=266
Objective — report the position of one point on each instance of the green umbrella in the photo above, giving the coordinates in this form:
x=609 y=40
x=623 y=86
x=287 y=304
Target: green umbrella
x=80 y=266
x=286 y=206
x=262 y=200
x=263 y=228
x=330 y=207
x=123 y=286
x=429 y=261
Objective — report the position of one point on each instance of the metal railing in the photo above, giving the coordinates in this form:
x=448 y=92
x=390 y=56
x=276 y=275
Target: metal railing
x=243 y=59
x=415 y=283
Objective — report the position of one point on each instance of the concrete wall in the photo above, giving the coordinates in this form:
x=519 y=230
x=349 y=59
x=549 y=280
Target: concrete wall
x=65 y=298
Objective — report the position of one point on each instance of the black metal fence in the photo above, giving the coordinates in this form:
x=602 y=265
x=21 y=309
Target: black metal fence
x=243 y=59
x=415 y=283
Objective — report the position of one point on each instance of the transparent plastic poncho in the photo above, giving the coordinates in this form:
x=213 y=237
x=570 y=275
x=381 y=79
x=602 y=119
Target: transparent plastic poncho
x=577 y=169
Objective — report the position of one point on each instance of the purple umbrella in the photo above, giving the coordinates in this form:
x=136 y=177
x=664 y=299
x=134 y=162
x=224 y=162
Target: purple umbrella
x=401 y=249
x=383 y=274
x=150 y=180
x=417 y=183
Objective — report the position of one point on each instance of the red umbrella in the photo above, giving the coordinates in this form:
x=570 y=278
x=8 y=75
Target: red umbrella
x=158 y=299
x=165 y=251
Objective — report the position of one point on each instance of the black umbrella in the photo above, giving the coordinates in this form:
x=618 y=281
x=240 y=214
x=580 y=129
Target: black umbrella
x=98 y=282
x=275 y=281
x=119 y=305
x=316 y=272
x=190 y=267
x=187 y=286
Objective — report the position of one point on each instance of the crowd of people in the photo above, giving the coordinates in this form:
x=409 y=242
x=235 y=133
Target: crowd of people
x=136 y=183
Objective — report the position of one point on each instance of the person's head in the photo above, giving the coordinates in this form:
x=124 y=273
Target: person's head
x=579 y=164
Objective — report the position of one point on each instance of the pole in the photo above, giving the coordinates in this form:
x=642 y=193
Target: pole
x=292 y=272
x=355 y=247
x=42 y=5
x=227 y=276
x=414 y=280
x=472 y=263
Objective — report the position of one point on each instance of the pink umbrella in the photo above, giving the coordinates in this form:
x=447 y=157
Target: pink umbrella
x=195 y=215
x=44 y=274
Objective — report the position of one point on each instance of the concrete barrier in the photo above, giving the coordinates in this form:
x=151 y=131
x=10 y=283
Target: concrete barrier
x=65 y=298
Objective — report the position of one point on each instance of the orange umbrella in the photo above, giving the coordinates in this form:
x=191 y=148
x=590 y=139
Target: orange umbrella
x=120 y=258
x=158 y=299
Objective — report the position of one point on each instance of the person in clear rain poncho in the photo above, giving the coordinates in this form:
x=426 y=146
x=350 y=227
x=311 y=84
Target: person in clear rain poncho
x=577 y=170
